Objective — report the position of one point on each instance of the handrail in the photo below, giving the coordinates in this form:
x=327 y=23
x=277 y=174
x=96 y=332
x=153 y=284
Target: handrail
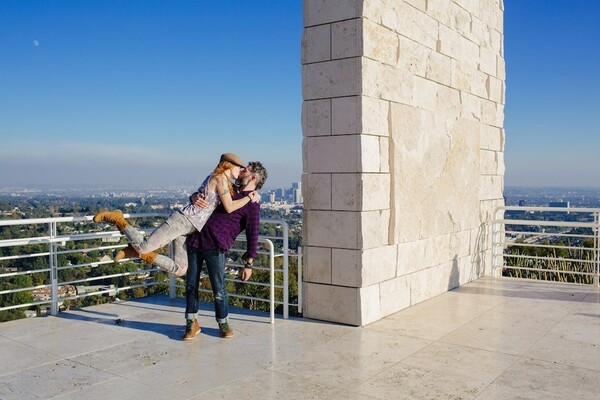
x=572 y=232
x=53 y=240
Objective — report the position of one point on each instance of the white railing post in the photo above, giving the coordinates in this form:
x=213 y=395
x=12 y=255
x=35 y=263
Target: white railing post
x=286 y=266
x=271 y=280
x=299 y=279
x=53 y=270
x=597 y=249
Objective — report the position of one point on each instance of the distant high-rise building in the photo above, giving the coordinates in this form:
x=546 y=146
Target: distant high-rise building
x=279 y=194
x=297 y=196
x=271 y=197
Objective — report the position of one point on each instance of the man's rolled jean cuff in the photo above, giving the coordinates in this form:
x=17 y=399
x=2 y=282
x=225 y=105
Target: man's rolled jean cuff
x=222 y=320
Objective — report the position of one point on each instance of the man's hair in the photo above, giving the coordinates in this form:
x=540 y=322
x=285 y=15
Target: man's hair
x=259 y=171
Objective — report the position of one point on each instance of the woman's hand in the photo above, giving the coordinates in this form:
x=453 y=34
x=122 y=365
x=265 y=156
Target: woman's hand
x=254 y=196
x=198 y=200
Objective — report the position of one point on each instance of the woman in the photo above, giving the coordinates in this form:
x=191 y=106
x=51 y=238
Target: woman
x=217 y=189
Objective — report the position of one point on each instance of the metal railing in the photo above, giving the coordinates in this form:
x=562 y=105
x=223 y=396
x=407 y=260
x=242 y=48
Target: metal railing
x=50 y=244
x=548 y=243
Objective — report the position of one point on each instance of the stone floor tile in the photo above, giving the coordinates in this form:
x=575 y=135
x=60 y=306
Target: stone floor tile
x=552 y=379
x=50 y=380
x=271 y=385
x=354 y=357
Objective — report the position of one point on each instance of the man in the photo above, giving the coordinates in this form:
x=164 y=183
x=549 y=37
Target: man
x=210 y=245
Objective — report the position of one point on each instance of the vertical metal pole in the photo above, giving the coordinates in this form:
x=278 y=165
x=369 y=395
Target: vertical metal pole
x=597 y=249
x=271 y=281
x=286 y=266
x=494 y=244
x=53 y=270
x=299 y=279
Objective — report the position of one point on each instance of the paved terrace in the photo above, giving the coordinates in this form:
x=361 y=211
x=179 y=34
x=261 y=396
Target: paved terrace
x=490 y=339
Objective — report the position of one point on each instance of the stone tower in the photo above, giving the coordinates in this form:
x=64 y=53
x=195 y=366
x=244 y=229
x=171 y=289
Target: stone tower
x=403 y=150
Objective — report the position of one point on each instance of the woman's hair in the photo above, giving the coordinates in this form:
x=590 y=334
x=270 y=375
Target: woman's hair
x=220 y=170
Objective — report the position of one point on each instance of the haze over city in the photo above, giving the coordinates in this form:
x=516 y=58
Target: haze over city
x=141 y=94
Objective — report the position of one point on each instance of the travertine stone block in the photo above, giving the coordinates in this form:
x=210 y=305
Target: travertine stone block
x=370 y=304
x=492 y=113
x=380 y=43
x=378 y=264
x=427 y=283
x=491 y=14
x=470 y=106
x=448 y=101
x=425 y=94
x=438 y=202
x=478 y=32
x=346 y=267
x=420 y=4
x=395 y=295
x=386 y=82
x=472 y=6
x=439 y=68
x=440 y=11
x=501 y=166
x=316 y=117
x=413 y=57
x=339 y=229
x=410 y=22
x=487 y=61
x=489 y=162
x=346 y=39
x=467 y=78
x=460 y=20
x=347 y=192
x=376 y=191
x=361 y=268
x=501 y=68
x=374 y=115
x=458 y=47
x=333 y=154
x=422 y=254
x=374 y=229
x=495 y=88
x=490 y=187
x=332 y=303
x=346 y=115
x=316 y=44
x=317 y=264
x=356 y=192
x=316 y=191
x=492 y=138
x=373 y=153
x=331 y=79
x=318 y=12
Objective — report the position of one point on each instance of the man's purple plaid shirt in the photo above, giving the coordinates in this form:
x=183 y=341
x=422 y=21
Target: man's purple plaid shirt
x=222 y=228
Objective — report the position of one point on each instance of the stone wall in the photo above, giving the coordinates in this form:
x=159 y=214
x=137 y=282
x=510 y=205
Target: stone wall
x=402 y=153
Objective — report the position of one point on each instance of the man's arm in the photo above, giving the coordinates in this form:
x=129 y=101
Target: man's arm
x=252 y=222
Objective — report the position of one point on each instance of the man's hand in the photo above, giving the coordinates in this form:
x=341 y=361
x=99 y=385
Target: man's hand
x=246 y=274
x=198 y=199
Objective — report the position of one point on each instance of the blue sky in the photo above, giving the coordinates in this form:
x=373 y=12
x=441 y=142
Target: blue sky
x=143 y=93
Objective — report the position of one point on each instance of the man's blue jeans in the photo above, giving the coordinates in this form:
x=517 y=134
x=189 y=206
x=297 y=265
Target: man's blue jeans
x=215 y=264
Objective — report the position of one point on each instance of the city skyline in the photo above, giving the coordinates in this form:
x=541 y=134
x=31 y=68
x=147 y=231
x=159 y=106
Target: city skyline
x=137 y=94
